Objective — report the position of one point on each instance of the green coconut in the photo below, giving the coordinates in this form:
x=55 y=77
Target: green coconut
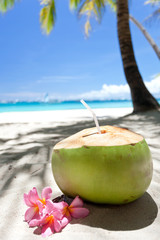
x=113 y=167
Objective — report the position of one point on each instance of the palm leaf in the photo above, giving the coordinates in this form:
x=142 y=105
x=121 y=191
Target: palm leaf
x=87 y=28
x=112 y=4
x=91 y=8
x=156 y=14
x=153 y=2
x=6 y=4
x=47 y=15
x=74 y=4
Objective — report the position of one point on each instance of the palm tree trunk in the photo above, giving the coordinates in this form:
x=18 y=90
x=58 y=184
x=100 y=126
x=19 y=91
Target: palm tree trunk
x=147 y=36
x=141 y=97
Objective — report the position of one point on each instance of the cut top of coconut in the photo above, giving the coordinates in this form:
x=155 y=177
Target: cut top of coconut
x=110 y=136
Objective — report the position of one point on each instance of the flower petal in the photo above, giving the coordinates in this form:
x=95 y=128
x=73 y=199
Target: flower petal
x=33 y=195
x=59 y=210
x=27 y=201
x=46 y=193
x=42 y=220
x=55 y=208
x=60 y=206
x=79 y=212
x=30 y=213
x=41 y=206
x=49 y=206
x=57 y=225
x=47 y=230
x=77 y=202
x=65 y=220
x=35 y=222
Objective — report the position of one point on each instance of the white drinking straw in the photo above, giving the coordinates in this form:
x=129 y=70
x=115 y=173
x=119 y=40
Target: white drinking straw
x=94 y=115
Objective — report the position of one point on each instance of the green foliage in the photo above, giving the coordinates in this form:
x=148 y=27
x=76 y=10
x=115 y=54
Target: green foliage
x=6 y=4
x=156 y=14
x=74 y=4
x=92 y=8
x=47 y=15
x=112 y=4
x=89 y=8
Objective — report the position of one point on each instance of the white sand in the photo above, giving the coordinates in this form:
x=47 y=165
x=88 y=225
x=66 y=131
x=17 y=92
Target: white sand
x=60 y=116
x=26 y=142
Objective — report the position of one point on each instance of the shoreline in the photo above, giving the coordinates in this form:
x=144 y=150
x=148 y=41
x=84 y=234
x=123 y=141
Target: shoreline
x=62 y=115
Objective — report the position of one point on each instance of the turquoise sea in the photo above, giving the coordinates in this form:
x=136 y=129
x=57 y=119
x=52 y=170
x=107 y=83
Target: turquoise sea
x=66 y=105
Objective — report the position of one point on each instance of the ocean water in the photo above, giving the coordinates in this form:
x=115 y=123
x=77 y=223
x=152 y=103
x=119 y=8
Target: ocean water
x=67 y=105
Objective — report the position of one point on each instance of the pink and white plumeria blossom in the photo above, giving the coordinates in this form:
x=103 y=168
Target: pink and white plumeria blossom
x=50 y=220
x=75 y=210
x=51 y=217
x=33 y=201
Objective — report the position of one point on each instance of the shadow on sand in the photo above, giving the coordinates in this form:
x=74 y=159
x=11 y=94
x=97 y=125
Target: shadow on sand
x=32 y=156
x=40 y=141
x=132 y=216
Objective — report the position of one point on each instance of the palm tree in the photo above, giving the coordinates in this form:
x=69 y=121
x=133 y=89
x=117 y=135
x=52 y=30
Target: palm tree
x=92 y=6
x=141 y=97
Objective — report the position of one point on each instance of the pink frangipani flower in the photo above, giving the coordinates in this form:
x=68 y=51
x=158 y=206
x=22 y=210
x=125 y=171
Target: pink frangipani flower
x=75 y=210
x=35 y=203
x=50 y=222
x=48 y=215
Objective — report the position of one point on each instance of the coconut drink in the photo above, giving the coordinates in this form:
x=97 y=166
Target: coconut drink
x=104 y=164
x=113 y=167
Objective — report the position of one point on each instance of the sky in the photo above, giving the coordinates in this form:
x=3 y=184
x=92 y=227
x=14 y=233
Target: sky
x=66 y=65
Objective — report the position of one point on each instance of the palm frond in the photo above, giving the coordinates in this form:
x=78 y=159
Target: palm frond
x=156 y=13
x=74 y=4
x=6 y=4
x=87 y=27
x=47 y=15
x=91 y=9
x=154 y=16
x=112 y=4
x=153 y=2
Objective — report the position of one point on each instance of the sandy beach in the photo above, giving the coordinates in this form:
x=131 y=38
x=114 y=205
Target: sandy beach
x=26 y=143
